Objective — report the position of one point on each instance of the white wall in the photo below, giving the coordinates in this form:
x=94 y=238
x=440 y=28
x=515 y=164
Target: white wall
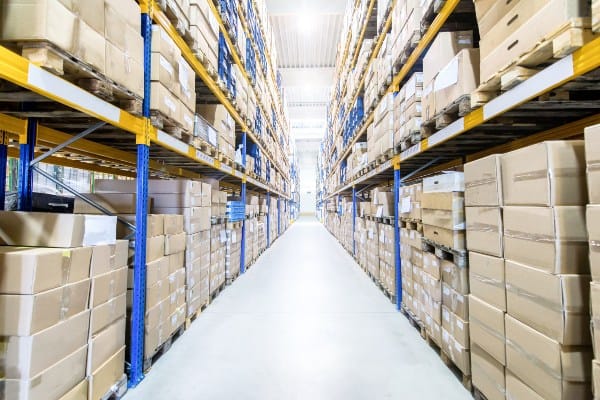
x=307 y=150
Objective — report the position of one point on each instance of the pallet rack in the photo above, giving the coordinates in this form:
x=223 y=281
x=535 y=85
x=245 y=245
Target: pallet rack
x=50 y=119
x=515 y=119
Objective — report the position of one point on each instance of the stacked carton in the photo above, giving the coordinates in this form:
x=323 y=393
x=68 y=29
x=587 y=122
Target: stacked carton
x=218 y=116
x=406 y=27
x=444 y=278
x=218 y=241
x=372 y=228
x=360 y=234
x=387 y=258
x=592 y=139
x=103 y=34
x=407 y=110
x=173 y=83
x=383 y=130
x=382 y=202
x=218 y=203
x=487 y=301
x=233 y=249
x=450 y=70
x=546 y=271
x=204 y=28
x=411 y=248
x=45 y=300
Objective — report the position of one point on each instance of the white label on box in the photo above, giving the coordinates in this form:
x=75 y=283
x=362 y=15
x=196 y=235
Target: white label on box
x=223 y=236
x=233 y=237
x=406 y=205
x=448 y=76
x=460 y=324
x=166 y=65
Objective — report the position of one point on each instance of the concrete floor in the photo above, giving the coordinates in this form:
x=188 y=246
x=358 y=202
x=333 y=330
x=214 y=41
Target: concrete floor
x=305 y=322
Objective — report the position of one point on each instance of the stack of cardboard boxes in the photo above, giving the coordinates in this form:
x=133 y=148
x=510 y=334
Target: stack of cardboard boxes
x=233 y=249
x=592 y=156
x=406 y=27
x=103 y=34
x=383 y=131
x=450 y=70
x=372 y=228
x=407 y=110
x=547 y=270
x=411 y=248
x=218 y=116
x=387 y=258
x=204 y=28
x=218 y=241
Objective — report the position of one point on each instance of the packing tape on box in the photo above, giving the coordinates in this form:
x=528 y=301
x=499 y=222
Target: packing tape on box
x=3 y=351
x=595 y=245
x=536 y=361
x=486 y=280
x=570 y=172
x=492 y=382
x=486 y=328
x=479 y=227
x=539 y=238
x=65 y=302
x=66 y=266
x=480 y=182
x=593 y=165
x=537 y=299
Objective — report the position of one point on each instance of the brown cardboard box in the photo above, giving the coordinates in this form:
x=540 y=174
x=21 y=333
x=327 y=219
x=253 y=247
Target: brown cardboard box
x=460 y=356
x=456 y=302
x=445 y=46
x=176 y=200
x=516 y=389
x=545 y=174
x=552 y=239
x=27 y=356
x=175 y=243
x=154 y=225
x=452 y=220
x=54 y=382
x=595 y=312
x=38 y=229
x=173 y=224
x=592 y=157
x=25 y=315
x=107 y=375
x=34 y=270
x=108 y=286
x=593 y=229
x=162 y=100
x=126 y=68
x=555 y=305
x=596 y=377
x=105 y=344
x=157 y=293
x=457 y=277
x=487 y=328
x=117 y=203
x=451 y=201
x=445 y=237
x=176 y=261
x=155 y=271
x=488 y=374
x=107 y=313
x=483 y=182
x=555 y=372
x=456 y=327
x=155 y=248
x=106 y=258
x=164 y=72
x=164 y=45
x=458 y=78
x=49 y=20
x=79 y=392
x=195 y=219
x=487 y=279
x=484 y=230
x=489 y=13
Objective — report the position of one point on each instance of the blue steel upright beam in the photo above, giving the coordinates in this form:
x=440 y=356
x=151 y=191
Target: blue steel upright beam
x=26 y=153
x=354 y=221
x=398 y=260
x=137 y=332
x=268 y=219
x=243 y=195
x=3 y=167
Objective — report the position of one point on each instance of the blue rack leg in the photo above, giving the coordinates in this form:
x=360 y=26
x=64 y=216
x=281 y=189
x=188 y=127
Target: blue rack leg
x=3 y=167
x=26 y=153
x=138 y=311
x=354 y=221
x=268 y=219
x=243 y=244
x=398 y=260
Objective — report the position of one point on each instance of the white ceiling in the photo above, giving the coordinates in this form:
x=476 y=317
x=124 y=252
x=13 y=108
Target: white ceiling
x=306 y=35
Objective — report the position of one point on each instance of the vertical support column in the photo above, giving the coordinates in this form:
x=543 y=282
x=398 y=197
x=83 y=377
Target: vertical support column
x=278 y=216
x=398 y=260
x=243 y=196
x=137 y=332
x=268 y=219
x=354 y=220
x=26 y=153
x=3 y=167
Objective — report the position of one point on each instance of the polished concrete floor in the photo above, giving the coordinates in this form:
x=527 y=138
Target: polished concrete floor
x=305 y=322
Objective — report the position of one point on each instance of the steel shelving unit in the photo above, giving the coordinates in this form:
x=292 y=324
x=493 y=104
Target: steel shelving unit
x=57 y=122
x=521 y=116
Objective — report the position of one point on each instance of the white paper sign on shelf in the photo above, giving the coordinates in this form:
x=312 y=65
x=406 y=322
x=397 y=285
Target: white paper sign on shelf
x=205 y=157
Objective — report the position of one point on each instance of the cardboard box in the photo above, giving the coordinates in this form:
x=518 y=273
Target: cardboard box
x=488 y=374
x=116 y=203
x=592 y=157
x=445 y=237
x=447 y=182
x=35 y=270
x=484 y=230
x=596 y=377
x=154 y=225
x=156 y=271
x=27 y=356
x=102 y=380
x=457 y=277
x=106 y=258
x=443 y=49
x=545 y=174
x=164 y=45
x=487 y=328
x=155 y=248
x=38 y=229
x=54 y=382
x=483 y=182
x=452 y=220
x=516 y=389
x=107 y=313
x=555 y=305
x=431 y=265
x=108 y=286
x=552 y=239
x=490 y=12
x=126 y=68
x=79 y=392
x=595 y=313
x=456 y=302
x=162 y=100
x=173 y=224
x=456 y=327
x=460 y=356
x=175 y=243
x=25 y=315
x=555 y=372
x=195 y=219
x=458 y=78
x=105 y=344
x=593 y=229
x=164 y=72
x=157 y=293
x=487 y=279
x=99 y=230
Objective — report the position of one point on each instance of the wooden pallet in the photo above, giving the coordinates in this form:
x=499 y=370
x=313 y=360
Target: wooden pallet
x=414 y=320
x=179 y=21
x=81 y=74
x=465 y=379
x=116 y=391
x=458 y=257
x=452 y=112
x=204 y=146
x=213 y=295
x=166 y=123
x=412 y=224
x=218 y=219
x=408 y=49
x=163 y=348
x=565 y=40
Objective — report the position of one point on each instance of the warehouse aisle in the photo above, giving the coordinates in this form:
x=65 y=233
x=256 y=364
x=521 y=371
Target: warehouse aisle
x=304 y=323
